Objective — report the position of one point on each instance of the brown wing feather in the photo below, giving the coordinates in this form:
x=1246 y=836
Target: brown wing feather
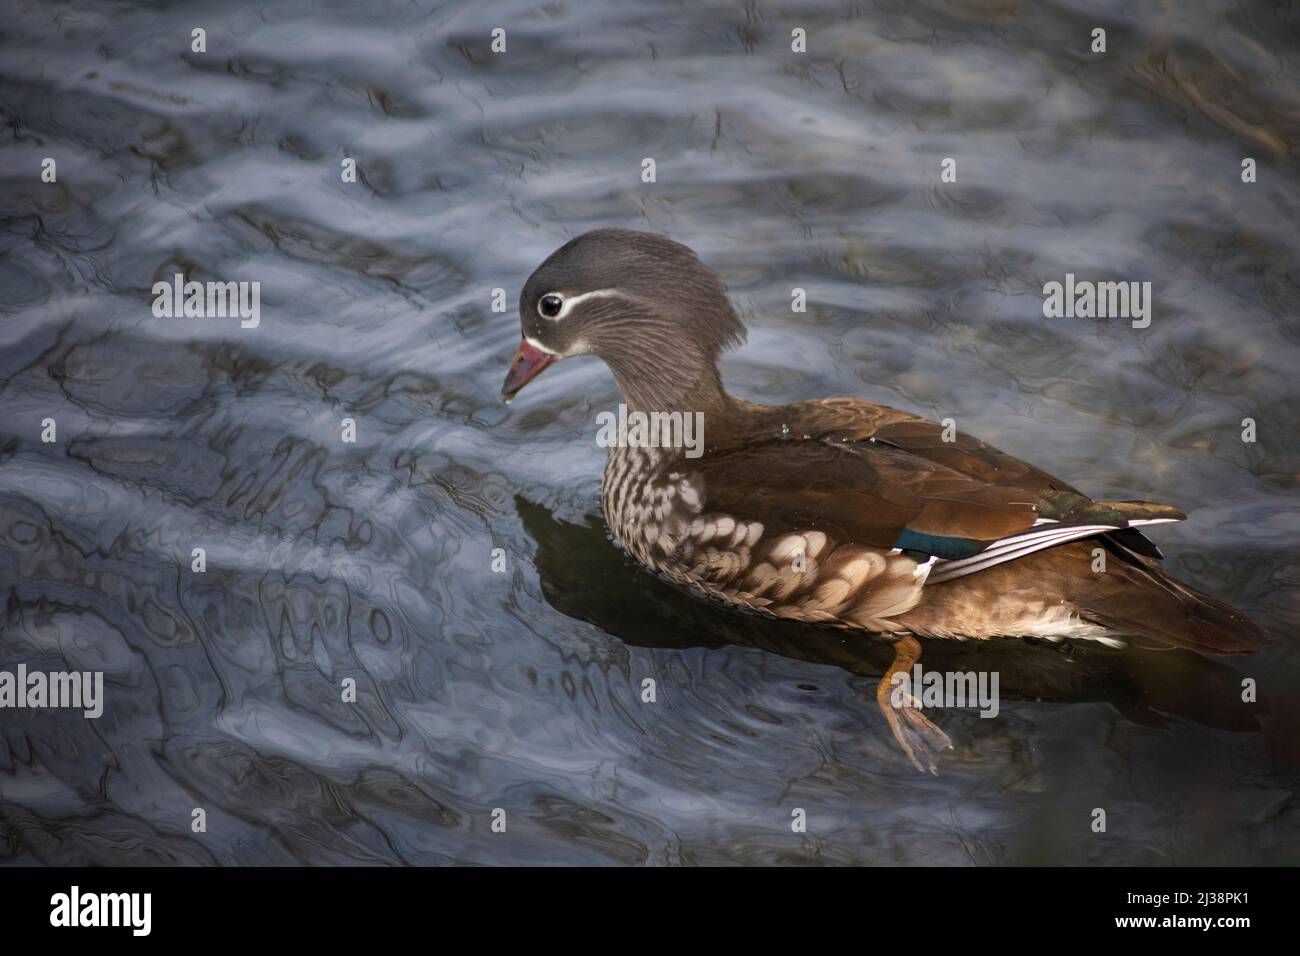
x=853 y=419
x=857 y=419
x=868 y=492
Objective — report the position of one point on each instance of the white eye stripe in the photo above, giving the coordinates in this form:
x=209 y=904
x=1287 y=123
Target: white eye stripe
x=570 y=304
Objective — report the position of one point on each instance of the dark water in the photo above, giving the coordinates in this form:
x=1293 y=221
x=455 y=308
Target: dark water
x=372 y=561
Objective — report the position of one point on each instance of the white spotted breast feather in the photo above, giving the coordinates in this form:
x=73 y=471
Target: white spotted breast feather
x=654 y=509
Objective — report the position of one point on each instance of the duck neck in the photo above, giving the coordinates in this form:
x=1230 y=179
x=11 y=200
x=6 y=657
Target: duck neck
x=666 y=382
x=679 y=407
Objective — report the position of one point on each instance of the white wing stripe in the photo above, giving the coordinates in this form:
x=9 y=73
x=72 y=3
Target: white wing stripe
x=1046 y=534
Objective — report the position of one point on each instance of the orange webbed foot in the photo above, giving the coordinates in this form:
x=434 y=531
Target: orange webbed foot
x=920 y=739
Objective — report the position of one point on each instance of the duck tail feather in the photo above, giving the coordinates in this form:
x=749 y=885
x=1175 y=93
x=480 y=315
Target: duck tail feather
x=1175 y=613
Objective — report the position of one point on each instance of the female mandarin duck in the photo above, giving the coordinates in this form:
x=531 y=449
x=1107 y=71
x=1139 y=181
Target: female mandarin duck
x=838 y=511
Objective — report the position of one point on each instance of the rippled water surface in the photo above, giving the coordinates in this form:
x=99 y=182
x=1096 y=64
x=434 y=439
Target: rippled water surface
x=372 y=561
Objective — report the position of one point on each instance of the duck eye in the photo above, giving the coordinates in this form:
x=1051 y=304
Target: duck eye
x=550 y=305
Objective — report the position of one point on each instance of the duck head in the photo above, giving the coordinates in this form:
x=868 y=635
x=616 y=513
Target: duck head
x=642 y=303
